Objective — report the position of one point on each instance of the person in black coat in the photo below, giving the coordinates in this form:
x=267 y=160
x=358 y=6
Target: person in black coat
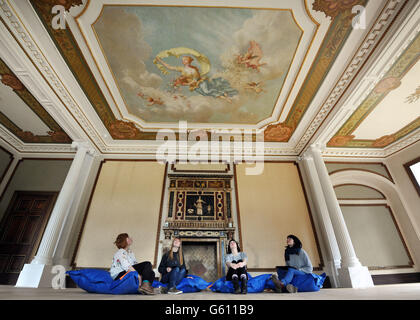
x=172 y=267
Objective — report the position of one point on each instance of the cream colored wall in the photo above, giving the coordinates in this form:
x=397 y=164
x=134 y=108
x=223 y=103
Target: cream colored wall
x=271 y=206
x=375 y=167
x=356 y=192
x=407 y=191
x=126 y=199
x=374 y=236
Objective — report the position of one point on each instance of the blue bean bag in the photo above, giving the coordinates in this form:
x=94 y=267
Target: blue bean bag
x=190 y=283
x=309 y=282
x=305 y=283
x=100 y=281
x=255 y=284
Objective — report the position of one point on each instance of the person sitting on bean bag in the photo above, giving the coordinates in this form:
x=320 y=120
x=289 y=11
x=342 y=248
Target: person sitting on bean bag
x=172 y=267
x=124 y=261
x=297 y=263
x=236 y=261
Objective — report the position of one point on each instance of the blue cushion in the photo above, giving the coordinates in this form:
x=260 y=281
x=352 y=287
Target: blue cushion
x=255 y=284
x=308 y=282
x=190 y=283
x=100 y=281
x=305 y=283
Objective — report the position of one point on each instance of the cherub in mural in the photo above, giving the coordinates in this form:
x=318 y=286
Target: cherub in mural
x=255 y=86
x=151 y=101
x=251 y=59
x=193 y=78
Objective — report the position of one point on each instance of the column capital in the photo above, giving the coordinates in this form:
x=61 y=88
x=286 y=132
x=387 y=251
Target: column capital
x=307 y=155
x=83 y=145
x=317 y=147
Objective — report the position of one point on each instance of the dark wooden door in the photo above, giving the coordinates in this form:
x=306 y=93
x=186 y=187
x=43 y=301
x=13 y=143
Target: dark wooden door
x=21 y=230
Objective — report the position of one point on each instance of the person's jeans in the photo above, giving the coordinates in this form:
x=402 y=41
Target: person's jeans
x=290 y=274
x=174 y=277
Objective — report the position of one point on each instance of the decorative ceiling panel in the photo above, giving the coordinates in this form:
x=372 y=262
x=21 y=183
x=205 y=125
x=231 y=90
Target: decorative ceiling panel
x=218 y=66
x=22 y=114
x=391 y=110
x=222 y=67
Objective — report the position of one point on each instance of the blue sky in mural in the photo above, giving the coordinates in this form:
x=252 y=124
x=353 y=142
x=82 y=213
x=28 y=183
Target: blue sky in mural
x=207 y=30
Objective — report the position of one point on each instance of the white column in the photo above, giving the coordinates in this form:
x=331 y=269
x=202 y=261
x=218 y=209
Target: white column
x=8 y=175
x=52 y=232
x=71 y=227
x=352 y=273
x=36 y=274
x=322 y=219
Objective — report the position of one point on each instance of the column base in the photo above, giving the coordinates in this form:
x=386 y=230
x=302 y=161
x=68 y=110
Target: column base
x=34 y=275
x=355 y=277
x=332 y=273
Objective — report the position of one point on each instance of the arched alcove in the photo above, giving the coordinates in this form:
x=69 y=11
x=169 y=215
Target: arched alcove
x=392 y=202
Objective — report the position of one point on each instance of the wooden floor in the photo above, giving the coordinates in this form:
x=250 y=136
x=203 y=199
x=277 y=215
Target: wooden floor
x=409 y=291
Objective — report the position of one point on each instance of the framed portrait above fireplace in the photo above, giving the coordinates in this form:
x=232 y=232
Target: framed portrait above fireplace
x=199 y=198
x=199 y=206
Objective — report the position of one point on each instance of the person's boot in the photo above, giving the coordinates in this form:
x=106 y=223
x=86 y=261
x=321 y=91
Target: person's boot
x=146 y=288
x=291 y=288
x=244 y=285
x=236 y=287
x=278 y=285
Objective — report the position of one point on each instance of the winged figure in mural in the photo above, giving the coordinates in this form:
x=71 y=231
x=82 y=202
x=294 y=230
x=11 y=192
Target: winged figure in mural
x=255 y=86
x=151 y=101
x=193 y=77
x=251 y=59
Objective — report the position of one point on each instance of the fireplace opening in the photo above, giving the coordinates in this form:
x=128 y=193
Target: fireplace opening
x=201 y=259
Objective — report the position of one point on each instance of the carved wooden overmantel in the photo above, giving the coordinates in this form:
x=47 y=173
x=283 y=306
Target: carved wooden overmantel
x=199 y=206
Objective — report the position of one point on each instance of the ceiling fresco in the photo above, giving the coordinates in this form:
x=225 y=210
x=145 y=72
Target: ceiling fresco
x=220 y=65
x=209 y=66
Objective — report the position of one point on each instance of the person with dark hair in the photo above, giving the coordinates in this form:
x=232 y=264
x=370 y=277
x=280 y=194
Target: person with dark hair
x=124 y=261
x=298 y=263
x=236 y=261
x=172 y=267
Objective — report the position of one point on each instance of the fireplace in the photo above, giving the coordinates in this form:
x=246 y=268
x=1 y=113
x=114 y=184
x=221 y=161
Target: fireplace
x=201 y=258
x=199 y=213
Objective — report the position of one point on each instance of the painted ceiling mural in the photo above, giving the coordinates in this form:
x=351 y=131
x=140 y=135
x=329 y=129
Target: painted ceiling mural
x=393 y=101
x=226 y=65
x=27 y=111
x=220 y=65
